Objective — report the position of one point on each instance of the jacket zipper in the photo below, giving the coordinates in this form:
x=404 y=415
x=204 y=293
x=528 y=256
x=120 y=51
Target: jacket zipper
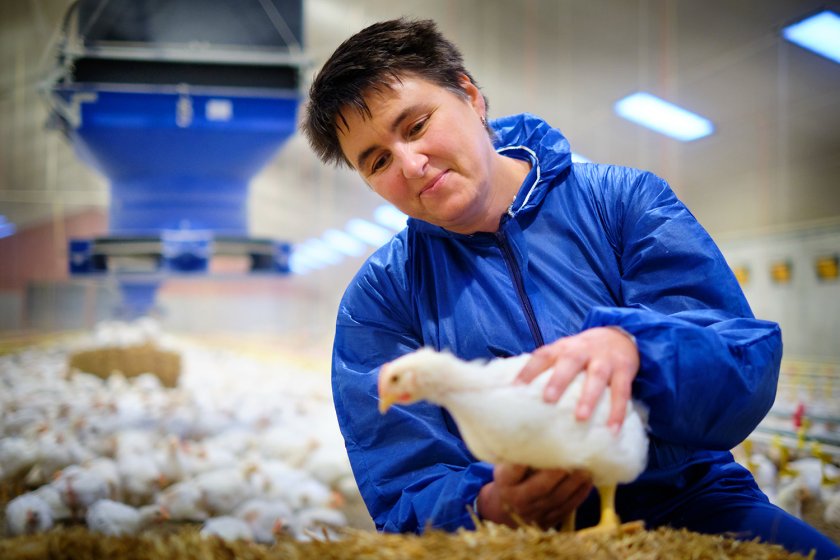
x=518 y=283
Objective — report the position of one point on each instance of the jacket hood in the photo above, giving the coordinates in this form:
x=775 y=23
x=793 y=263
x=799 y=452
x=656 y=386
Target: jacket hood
x=530 y=138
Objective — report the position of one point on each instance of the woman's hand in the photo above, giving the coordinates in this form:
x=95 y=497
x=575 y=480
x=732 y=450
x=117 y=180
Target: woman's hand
x=544 y=497
x=606 y=355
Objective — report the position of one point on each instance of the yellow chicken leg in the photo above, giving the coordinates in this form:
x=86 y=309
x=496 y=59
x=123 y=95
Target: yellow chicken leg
x=609 y=518
x=568 y=525
x=610 y=521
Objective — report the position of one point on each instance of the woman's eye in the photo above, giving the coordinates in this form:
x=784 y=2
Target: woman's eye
x=418 y=126
x=378 y=164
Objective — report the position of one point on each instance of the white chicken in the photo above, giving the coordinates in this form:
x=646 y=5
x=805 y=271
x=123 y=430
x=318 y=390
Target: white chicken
x=319 y=523
x=228 y=528
x=51 y=495
x=831 y=514
x=79 y=488
x=28 y=514
x=267 y=518
x=223 y=489
x=765 y=473
x=184 y=501
x=506 y=423
x=117 y=519
x=16 y=455
x=792 y=495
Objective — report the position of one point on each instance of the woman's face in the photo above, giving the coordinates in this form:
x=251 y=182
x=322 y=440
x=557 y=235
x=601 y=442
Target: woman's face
x=424 y=150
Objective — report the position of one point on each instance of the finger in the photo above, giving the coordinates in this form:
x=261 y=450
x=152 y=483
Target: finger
x=540 y=360
x=579 y=495
x=620 y=391
x=597 y=375
x=543 y=483
x=509 y=475
x=566 y=368
x=566 y=486
x=568 y=496
x=582 y=477
x=532 y=496
x=555 y=517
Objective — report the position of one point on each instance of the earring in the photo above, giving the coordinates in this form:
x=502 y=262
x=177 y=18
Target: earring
x=484 y=122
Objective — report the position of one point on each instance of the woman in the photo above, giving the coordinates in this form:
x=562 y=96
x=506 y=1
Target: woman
x=511 y=248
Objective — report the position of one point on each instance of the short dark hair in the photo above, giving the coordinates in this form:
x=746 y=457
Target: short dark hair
x=373 y=59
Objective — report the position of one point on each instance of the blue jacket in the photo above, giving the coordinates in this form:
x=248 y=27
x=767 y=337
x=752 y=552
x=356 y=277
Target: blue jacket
x=582 y=245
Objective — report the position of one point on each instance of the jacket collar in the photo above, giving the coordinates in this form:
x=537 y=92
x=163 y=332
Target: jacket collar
x=527 y=137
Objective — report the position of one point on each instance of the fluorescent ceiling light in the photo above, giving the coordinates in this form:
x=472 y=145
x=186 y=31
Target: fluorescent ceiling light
x=300 y=259
x=368 y=232
x=344 y=243
x=661 y=116
x=819 y=33
x=297 y=265
x=7 y=228
x=390 y=217
x=319 y=251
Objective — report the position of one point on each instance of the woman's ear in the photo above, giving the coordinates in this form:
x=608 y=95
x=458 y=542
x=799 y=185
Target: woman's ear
x=474 y=95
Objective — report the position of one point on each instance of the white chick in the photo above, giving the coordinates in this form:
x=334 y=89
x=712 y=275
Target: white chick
x=506 y=423
x=117 y=519
x=765 y=473
x=791 y=496
x=831 y=514
x=223 y=489
x=28 y=514
x=79 y=488
x=51 y=495
x=289 y=442
x=810 y=471
x=267 y=518
x=319 y=523
x=308 y=492
x=172 y=460
x=227 y=528
x=140 y=476
x=277 y=480
x=16 y=455
x=329 y=464
x=184 y=501
x=107 y=468
x=58 y=450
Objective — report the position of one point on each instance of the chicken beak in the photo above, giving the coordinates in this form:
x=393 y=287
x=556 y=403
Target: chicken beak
x=385 y=402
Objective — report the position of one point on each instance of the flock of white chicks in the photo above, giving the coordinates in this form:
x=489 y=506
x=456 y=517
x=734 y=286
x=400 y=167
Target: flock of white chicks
x=249 y=452
x=794 y=470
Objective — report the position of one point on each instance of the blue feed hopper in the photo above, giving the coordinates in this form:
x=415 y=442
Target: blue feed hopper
x=178 y=104
x=179 y=161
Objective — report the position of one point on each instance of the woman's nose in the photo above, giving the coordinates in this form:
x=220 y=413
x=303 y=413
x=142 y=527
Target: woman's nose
x=413 y=163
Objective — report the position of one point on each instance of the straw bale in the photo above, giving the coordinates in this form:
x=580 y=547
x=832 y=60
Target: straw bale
x=489 y=542
x=130 y=361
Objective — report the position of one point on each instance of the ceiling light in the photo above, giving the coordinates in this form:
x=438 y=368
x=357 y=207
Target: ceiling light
x=819 y=33
x=297 y=264
x=368 y=232
x=390 y=217
x=343 y=243
x=661 y=116
x=300 y=259
x=6 y=227
x=319 y=251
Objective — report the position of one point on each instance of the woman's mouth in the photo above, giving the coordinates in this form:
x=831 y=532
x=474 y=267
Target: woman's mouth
x=434 y=184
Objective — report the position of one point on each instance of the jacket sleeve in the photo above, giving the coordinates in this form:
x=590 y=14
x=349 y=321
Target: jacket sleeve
x=708 y=368
x=412 y=469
